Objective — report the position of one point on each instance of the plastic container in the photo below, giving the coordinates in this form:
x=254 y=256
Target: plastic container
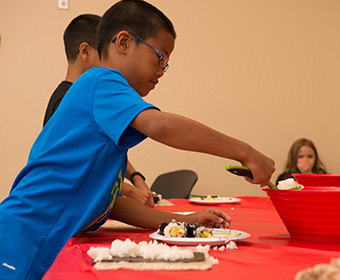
x=318 y=179
x=311 y=214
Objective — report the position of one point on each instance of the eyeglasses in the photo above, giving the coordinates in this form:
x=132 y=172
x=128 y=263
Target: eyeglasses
x=163 y=60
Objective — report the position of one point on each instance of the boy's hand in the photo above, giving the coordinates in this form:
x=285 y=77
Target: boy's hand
x=144 y=188
x=143 y=196
x=211 y=218
x=261 y=166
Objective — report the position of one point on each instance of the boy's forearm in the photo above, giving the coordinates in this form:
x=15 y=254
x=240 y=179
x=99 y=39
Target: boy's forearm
x=134 y=213
x=129 y=170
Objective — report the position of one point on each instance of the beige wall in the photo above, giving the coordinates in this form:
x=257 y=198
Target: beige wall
x=264 y=71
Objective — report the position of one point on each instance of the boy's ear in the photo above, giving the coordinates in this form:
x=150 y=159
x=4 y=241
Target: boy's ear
x=84 y=51
x=123 y=41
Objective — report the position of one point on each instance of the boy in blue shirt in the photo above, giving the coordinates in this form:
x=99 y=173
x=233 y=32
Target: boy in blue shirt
x=73 y=177
x=81 y=51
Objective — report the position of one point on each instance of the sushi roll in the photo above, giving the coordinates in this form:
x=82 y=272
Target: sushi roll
x=172 y=229
x=191 y=229
x=197 y=230
x=202 y=231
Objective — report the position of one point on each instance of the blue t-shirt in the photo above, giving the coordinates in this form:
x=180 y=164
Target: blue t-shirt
x=73 y=175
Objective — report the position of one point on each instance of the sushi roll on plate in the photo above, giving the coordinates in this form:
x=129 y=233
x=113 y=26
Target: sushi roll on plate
x=174 y=228
x=197 y=230
x=191 y=234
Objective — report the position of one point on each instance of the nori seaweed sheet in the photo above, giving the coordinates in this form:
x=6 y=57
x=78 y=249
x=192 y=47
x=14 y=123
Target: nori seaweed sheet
x=198 y=257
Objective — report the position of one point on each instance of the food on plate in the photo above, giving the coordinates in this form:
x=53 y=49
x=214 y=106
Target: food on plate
x=289 y=184
x=175 y=228
x=214 y=197
x=226 y=233
x=172 y=229
x=156 y=197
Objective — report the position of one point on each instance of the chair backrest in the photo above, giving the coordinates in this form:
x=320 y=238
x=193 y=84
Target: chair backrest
x=175 y=184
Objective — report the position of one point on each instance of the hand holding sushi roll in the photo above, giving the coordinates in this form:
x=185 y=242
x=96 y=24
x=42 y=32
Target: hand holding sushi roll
x=211 y=218
x=197 y=225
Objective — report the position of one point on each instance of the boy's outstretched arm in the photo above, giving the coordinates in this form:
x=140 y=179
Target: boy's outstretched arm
x=184 y=133
x=134 y=213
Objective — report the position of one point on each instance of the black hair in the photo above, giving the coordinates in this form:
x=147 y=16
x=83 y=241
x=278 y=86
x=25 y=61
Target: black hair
x=81 y=29
x=135 y=16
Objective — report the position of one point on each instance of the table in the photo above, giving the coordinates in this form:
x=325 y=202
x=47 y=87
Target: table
x=269 y=253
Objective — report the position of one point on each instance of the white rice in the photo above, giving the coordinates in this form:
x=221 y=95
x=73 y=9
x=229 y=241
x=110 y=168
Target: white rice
x=230 y=246
x=99 y=254
x=147 y=250
x=213 y=260
x=288 y=184
x=202 y=248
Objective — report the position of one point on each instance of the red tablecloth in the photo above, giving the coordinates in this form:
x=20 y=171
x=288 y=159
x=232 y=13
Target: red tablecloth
x=268 y=254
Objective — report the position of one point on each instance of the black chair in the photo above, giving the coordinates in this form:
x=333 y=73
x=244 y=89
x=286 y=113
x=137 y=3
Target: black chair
x=175 y=184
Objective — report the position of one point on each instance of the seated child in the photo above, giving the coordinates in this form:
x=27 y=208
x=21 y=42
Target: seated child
x=302 y=158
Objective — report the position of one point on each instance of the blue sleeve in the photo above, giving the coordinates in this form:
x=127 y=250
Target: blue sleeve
x=116 y=104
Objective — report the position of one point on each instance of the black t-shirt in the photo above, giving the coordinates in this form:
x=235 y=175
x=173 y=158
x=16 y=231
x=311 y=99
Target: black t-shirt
x=55 y=99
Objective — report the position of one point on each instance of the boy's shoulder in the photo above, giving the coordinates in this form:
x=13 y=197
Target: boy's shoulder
x=102 y=80
x=101 y=72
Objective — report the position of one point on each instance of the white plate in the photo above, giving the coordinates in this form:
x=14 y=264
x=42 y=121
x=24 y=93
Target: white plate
x=220 y=240
x=221 y=200
x=223 y=232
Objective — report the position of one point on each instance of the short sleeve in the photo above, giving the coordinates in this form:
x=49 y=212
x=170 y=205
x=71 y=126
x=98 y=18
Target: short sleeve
x=115 y=105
